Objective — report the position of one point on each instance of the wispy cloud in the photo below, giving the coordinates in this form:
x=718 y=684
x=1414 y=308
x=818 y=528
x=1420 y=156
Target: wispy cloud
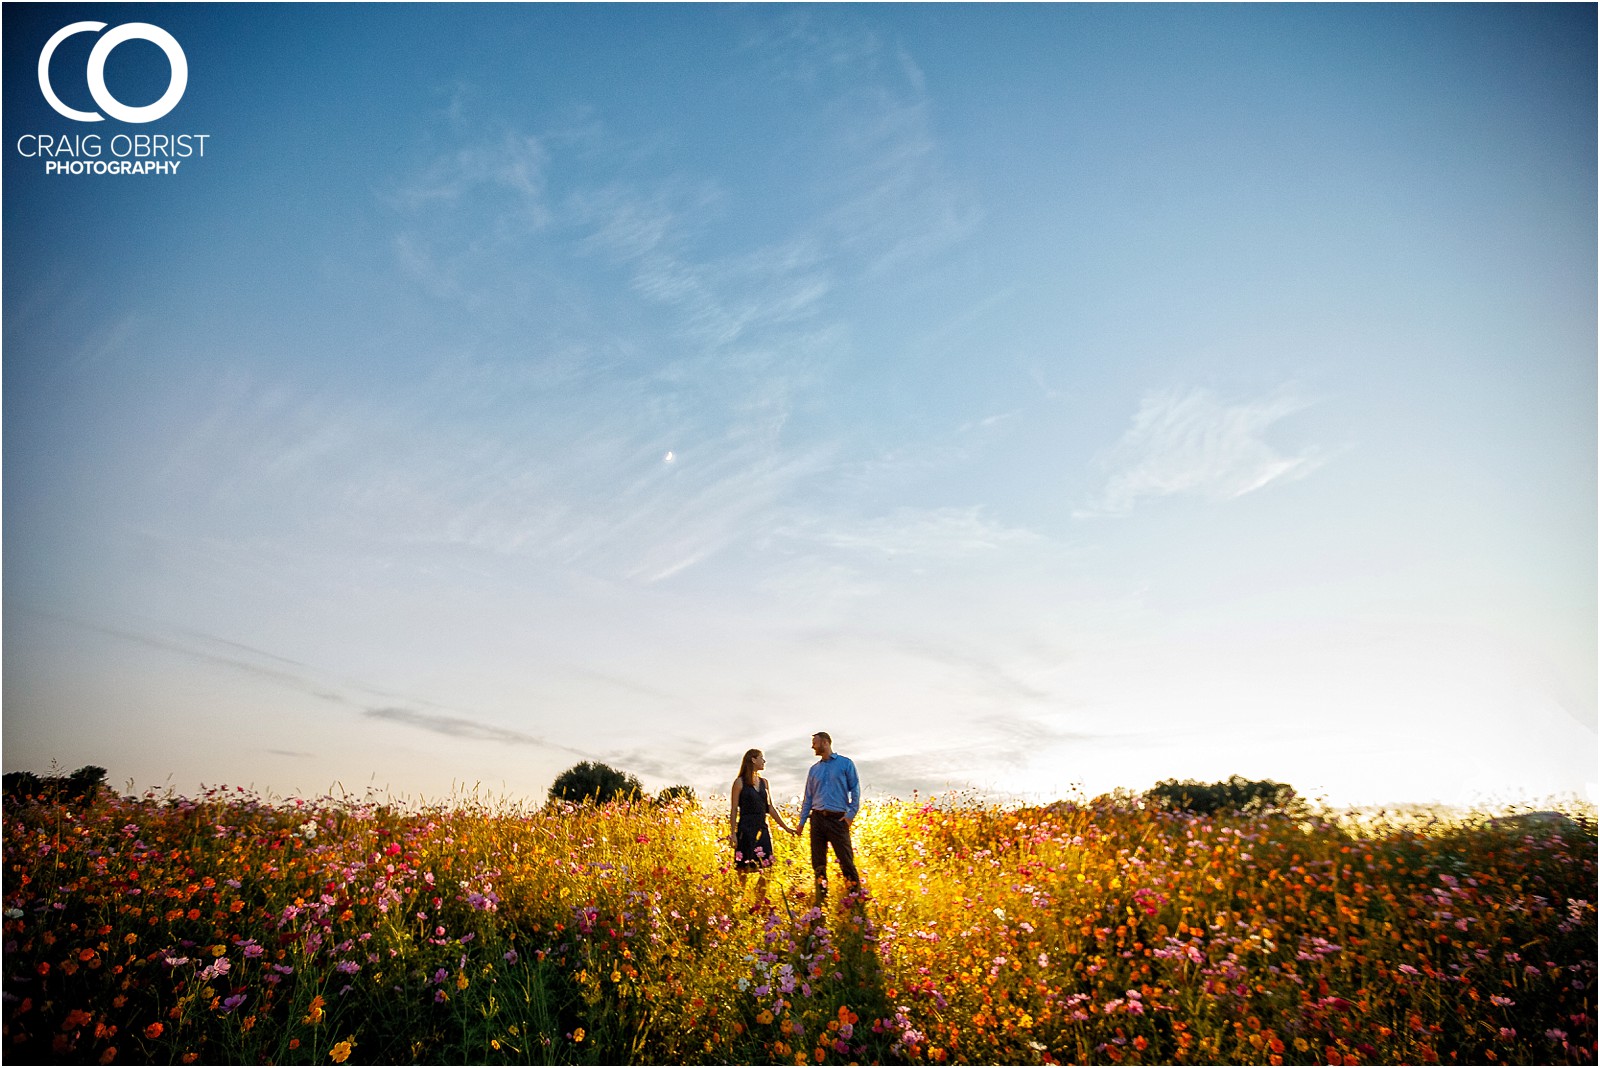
x=510 y=169
x=543 y=438
x=892 y=199
x=936 y=533
x=458 y=727
x=994 y=743
x=1193 y=443
x=217 y=652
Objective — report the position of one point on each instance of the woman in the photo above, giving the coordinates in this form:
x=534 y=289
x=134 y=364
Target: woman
x=748 y=806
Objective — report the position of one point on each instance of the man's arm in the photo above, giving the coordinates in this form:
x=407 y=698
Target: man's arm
x=853 y=785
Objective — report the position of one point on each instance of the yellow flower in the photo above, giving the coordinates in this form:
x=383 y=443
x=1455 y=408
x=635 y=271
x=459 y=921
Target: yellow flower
x=577 y=1036
x=341 y=1051
x=616 y=977
x=461 y=980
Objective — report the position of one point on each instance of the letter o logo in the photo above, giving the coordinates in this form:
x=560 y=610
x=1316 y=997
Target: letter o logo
x=129 y=31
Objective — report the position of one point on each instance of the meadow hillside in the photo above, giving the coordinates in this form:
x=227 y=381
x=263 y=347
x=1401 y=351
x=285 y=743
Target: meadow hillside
x=230 y=929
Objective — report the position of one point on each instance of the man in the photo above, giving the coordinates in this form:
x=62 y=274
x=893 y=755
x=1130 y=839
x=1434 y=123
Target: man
x=831 y=801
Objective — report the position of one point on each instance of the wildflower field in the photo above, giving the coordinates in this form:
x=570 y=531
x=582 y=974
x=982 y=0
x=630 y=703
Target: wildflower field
x=229 y=929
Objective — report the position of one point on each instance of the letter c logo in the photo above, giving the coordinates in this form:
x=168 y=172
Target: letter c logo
x=129 y=31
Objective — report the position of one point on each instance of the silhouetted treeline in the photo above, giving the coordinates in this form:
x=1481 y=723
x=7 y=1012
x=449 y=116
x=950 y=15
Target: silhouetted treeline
x=81 y=785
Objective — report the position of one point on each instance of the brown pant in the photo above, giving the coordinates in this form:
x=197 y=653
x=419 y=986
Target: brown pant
x=830 y=829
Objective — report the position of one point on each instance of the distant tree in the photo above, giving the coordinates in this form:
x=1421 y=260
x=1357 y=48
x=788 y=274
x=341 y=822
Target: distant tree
x=673 y=793
x=596 y=782
x=1237 y=794
x=20 y=785
x=81 y=785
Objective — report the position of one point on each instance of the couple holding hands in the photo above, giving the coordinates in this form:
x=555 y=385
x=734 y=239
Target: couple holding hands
x=831 y=800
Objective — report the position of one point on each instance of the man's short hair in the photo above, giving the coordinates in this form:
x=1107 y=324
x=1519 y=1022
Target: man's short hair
x=824 y=736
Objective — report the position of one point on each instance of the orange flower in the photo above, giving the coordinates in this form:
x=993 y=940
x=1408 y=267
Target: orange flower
x=341 y=1051
x=86 y=954
x=76 y=1019
x=190 y=1058
x=109 y=1055
x=154 y=1030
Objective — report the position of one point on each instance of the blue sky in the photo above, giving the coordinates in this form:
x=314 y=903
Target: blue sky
x=1037 y=398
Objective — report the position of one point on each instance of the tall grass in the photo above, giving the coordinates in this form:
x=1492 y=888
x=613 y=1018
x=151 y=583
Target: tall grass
x=229 y=929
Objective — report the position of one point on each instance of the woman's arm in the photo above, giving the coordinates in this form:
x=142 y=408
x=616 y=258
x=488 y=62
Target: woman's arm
x=773 y=809
x=733 y=814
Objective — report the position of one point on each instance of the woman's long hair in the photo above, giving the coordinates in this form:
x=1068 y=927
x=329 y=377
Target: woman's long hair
x=747 y=767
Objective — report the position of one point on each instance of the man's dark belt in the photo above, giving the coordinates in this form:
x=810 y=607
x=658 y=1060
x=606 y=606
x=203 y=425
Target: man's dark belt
x=825 y=812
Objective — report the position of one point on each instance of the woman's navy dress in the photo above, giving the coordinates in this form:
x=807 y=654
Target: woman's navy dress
x=754 y=849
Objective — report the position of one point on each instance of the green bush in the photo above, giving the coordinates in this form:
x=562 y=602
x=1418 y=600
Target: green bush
x=596 y=782
x=1238 y=794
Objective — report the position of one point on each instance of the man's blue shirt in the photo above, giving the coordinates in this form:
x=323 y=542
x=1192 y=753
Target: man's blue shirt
x=831 y=785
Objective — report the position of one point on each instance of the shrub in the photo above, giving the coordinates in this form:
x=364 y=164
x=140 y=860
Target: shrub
x=596 y=782
x=1238 y=794
x=82 y=785
x=673 y=793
